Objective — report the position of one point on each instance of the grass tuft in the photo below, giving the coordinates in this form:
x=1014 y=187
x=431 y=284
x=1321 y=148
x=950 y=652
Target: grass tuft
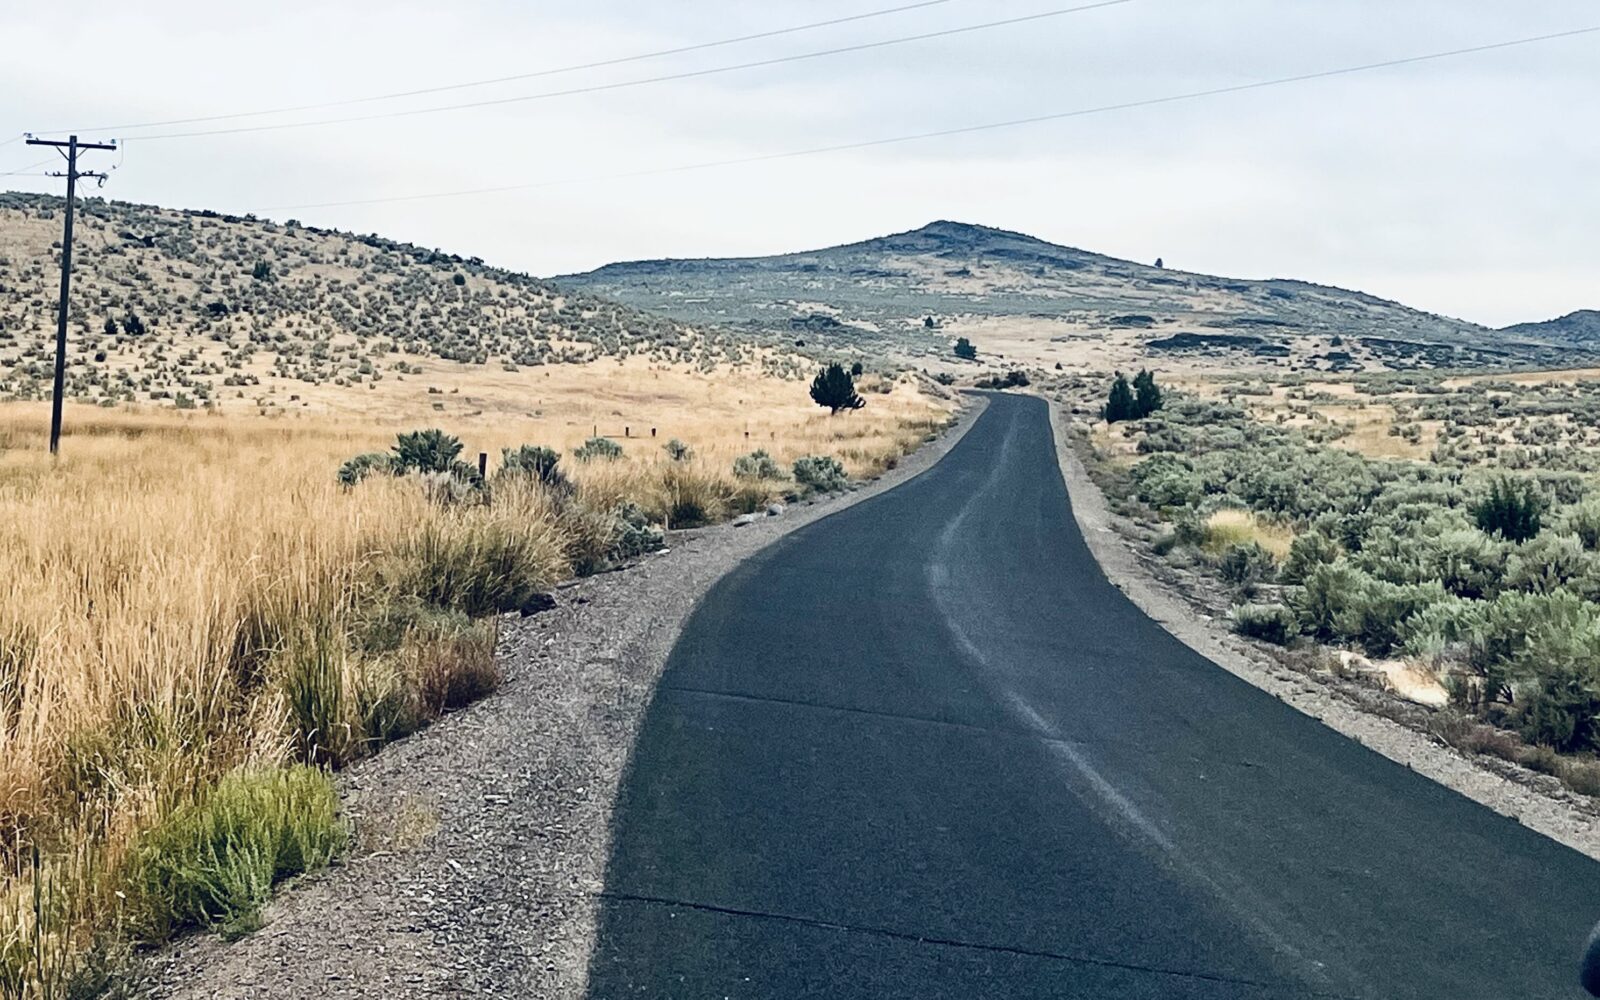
x=214 y=863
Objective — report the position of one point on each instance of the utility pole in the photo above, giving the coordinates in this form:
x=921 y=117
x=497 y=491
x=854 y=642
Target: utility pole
x=72 y=146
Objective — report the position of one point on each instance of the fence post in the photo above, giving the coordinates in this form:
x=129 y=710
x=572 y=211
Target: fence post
x=652 y=432
x=627 y=431
x=483 y=464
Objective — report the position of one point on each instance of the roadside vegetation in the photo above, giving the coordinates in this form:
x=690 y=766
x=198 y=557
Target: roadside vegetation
x=202 y=616
x=1475 y=564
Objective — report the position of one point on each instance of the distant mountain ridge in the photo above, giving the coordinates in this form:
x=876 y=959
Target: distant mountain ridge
x=907 y=291
x=1580 y=327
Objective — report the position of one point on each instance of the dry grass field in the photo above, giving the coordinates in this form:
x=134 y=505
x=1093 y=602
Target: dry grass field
x=190 y=606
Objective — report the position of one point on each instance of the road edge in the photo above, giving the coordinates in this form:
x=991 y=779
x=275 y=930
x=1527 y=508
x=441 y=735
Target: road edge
x=547 y=752
x=1556 y=819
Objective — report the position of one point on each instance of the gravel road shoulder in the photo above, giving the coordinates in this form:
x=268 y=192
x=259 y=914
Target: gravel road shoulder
x=1541 y=805
x=484 y=838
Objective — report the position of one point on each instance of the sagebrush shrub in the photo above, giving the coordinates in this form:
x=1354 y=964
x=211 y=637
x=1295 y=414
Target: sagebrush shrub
x=678 y=451
x=1548 y=563
x=534 y=462
x=635 y=533
x=602 y=448
x=821 y=473
x=362 y=466
x=1272 y=623
x=757 y=465
x=1246 y=564
x=1309 y=550
x=1467 y=562
x=1583 y=520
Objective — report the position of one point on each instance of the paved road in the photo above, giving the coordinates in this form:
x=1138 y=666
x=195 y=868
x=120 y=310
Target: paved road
x=924 y=749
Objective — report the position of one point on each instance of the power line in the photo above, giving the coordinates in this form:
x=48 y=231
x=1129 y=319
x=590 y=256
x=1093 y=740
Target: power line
x=618 y=61
x=30 y=168
x=966 y=129
x=690 y=74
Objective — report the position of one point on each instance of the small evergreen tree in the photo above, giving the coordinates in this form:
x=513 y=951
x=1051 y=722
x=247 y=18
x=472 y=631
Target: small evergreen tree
x=133 y=325
x=1512 y=509
x=1147 y=395
x=834 y=388
x=111 y=327
x=262 y=271
x=1121 y=405
x=965 y=350
x=856 y=369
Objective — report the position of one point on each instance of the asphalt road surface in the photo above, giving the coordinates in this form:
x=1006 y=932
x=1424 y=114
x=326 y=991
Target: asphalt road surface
x=923 y=748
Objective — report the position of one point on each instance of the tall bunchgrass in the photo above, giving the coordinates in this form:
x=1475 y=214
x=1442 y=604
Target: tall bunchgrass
x=188 y=598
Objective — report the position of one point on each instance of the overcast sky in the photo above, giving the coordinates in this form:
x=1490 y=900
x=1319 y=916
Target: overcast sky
x=1467 y=186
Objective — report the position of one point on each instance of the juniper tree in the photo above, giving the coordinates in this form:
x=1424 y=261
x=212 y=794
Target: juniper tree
x=1121 y=405
x=834 y=388
x=1147 y=395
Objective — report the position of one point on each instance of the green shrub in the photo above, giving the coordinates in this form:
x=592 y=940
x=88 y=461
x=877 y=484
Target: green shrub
x=426 y=451
x=1308 y=551
x=1383 y=611
x=1548 y=563
x=635 y=534
x=1190 y=529
x=1273 y=623
x=1246 y=564
x=1443 y=629
x=756 y=465
x=602 y=448
x=534 y=462
x=1511 y=509
x=1467 y=562
x=820 y=473
x=1324 y=601
x=1562 y=710
x=1583 y=520
x=360 y=467
x=213 y=863
x=1166 y=481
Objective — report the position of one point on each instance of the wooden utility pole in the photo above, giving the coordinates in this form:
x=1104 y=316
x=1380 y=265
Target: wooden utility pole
x=72 y=146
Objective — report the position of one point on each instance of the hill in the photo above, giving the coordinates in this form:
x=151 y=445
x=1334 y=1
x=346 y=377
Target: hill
x=1029 y=300
x=196 y=308
x=1580 y=328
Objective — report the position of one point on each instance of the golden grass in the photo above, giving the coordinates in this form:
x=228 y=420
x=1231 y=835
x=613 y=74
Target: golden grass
x=1229 y=527
x=186 y=594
